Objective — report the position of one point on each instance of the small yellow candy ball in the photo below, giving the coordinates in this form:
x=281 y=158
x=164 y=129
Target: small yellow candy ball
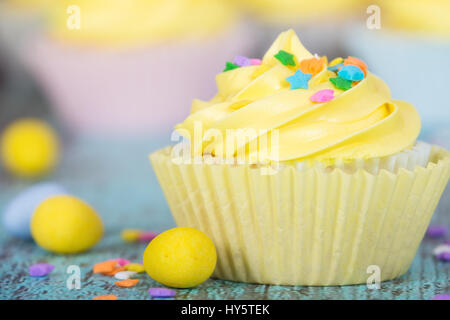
x=66 y=224
x=29 y=148
x=180 y=258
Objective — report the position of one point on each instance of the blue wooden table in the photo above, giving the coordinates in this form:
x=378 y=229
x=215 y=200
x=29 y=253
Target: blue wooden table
x=115 y=177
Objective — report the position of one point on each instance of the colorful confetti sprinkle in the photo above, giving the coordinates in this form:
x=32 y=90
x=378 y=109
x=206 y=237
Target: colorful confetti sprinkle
x=105 y=266
x=230 y=66
x=444 y=296
x=121 y=262
x=336 y=61
x=135 y=267
x=313 y=65
x=161 y=292
x=444 y=256
x=124 y=275
x=105 y=297
x=40 y=269
x=255 y=62
x=285 y=58
x=147 y=236
x=242 y=61
x=299 y=80
x=127 y=283
x=341 y=83
x=441 y=248
x=322 y=96
x=130 y=235
x=351 y=72
x=336 y=68
x=356 y=62
x=112 y=273
x=436 y=231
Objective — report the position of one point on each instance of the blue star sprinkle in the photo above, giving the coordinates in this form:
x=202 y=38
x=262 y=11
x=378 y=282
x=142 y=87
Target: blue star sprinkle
x=299 y=80
x=352 y=73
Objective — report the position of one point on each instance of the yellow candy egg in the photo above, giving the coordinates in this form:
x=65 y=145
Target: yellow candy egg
x=180 y=258
x=66 y=224
x=29 y=148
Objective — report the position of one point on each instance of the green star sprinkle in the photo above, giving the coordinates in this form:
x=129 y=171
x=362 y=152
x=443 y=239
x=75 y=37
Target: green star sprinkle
x=341 y=83
x=285 y=58
x=230 y=66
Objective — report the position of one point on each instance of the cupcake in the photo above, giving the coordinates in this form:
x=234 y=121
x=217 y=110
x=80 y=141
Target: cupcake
x=131 y=65
x=321 y=23
x=303 y=171
x=410 y=51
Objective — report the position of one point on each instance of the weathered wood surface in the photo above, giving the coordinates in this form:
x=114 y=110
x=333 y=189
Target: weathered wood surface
x=117 y=179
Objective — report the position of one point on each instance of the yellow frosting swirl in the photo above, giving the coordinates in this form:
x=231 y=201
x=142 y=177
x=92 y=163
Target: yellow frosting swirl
x=123 y=22
x=421 y=16
x=360 y=123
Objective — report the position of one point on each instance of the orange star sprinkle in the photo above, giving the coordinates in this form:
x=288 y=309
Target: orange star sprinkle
x=127 y=283
x=105 y=297
x=105 y=266
x=313 y=65
x=356 y=62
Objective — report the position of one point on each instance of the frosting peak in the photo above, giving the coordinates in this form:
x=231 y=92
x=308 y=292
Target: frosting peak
x=353 y=118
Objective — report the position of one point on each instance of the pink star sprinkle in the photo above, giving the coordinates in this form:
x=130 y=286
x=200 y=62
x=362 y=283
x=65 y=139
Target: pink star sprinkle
x=322 y=96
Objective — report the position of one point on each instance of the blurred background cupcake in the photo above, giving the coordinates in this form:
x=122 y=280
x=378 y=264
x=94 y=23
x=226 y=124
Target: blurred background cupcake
x=411 y=51
x=319 y=24
x=131 y=66
x=20 y=20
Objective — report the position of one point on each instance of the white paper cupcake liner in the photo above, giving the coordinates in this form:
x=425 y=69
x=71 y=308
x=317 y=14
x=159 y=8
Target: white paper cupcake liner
x=309 y=224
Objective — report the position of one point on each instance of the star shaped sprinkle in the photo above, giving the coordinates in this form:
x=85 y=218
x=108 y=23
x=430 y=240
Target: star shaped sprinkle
x=299 y=80
x=351 y=72
x=341 y=83
x=313 y=65
x=230 y=66
x=336 y=67
x=242 y=61
x=322 y=96
x=285 y=58
x=356 y=62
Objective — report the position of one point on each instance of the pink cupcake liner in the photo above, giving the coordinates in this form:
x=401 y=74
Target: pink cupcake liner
x=137 y=90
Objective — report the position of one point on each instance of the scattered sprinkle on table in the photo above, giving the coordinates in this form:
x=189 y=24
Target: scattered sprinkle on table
x=161 y=292
x=127 y=283
x=230 y=66
x=444 y=296
x=105 y=297
x=436 y=231
x=135 y=267
x=444 y=256
x=322 y=96
x=341 y=83
x=147 y=236
x=112 y=273
x=285 y=58
x=124 y=275
x=351 y=72
x=40 y=269
x=299 y=80
x=135 y=235
x=130 y=235
x=105 y=266
x=122 y=261
x=441 y=248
